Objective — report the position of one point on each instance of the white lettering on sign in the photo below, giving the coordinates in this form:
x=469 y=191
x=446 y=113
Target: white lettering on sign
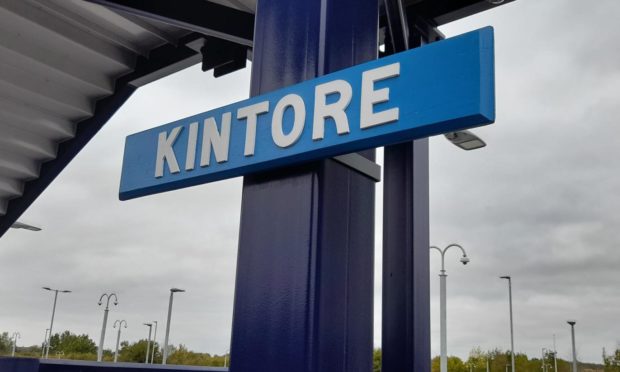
x=370 y=96
x=211 y=138
x=218 y=141
x=165 y=153
x=250 y=113
x=296 y=103
x=190 y=155
x=335 y=110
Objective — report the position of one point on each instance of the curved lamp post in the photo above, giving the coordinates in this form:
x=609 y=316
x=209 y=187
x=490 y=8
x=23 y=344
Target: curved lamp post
x=49 y=337
x=15 y=336
x=108 y=297
x=443 y=362
x=148 y=342
x=172 y=292
x=512 y=338
x=118 y=336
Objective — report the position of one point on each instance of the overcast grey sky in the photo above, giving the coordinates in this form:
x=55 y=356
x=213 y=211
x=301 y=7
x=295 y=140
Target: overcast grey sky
x=539 y=203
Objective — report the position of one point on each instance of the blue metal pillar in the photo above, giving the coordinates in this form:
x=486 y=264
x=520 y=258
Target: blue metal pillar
x=304 y=286
x=406 y=298
x=406 y=278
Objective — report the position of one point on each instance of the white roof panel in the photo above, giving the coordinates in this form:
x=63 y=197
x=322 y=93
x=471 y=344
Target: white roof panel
x=57 y=58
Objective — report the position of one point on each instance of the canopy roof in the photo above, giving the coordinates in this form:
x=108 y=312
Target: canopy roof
x=67 y=65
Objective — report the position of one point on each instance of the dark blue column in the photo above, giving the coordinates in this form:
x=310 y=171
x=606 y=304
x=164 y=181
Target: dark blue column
x=405 y=336
x=304 y=287
x=406 y=298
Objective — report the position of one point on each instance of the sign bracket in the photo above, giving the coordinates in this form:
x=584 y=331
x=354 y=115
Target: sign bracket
x=361 y=165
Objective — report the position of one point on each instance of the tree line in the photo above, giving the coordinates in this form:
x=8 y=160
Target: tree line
x=67 y=345
x=499 y=361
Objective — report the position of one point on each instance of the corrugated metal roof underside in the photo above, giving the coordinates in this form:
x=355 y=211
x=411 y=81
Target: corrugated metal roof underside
x=57 y=58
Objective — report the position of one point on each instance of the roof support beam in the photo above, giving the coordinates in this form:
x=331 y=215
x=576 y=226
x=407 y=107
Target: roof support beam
x=441 y=12
x=199 y=16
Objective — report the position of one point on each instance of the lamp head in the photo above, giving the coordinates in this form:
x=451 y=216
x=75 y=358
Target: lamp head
x=47 y=288
x=25 y=226
x=465 y=140
x=505 y=277
x=99 y=303
x=464 y=260
x=571 y=322
x=174 y=290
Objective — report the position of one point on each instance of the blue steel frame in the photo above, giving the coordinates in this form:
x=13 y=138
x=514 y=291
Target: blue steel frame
x=304 y=287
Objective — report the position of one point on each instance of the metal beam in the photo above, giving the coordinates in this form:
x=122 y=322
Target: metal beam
x=398 y=34
x=165 y=59
x=441 y=12
x=200 y=16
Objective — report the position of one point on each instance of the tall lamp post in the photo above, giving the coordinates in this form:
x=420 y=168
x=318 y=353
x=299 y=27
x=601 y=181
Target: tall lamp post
x=44 y=343
x=15 y=336
x=154 y=342
x=49 y=337
x=512 y=340
x=108 y=297
x=172 y=292
x=555 y=356
x=443 y=362
x=572 y=335
x=118 y=336
x=148 y=342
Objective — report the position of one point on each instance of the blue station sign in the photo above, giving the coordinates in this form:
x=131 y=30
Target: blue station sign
x=441 y=87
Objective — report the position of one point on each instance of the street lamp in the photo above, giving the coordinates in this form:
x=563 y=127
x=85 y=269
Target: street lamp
x=49 y=338
x=148 y=342
x=44 y=343
x=118 y=336
x=108 y=297
x=572 y=334
x=15 y=336
x=512 y=340
x=154 y=342
x=465 y=140
x=555 y=355
x=172 y=292
x=443 y=362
